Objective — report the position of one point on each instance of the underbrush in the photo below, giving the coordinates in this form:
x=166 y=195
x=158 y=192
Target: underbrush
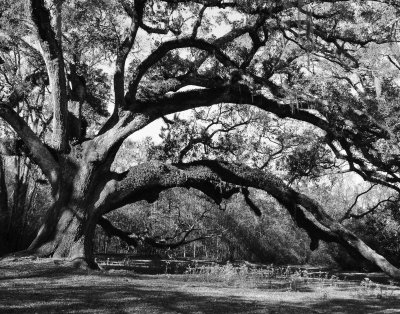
x=370 y=289
x=288 y=279
x=245 y=275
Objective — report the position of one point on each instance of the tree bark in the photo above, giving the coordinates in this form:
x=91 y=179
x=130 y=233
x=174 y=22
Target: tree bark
x=60 y=236
x=70 y=215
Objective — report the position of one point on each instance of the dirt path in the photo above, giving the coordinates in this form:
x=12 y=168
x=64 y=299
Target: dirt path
x=43 y=287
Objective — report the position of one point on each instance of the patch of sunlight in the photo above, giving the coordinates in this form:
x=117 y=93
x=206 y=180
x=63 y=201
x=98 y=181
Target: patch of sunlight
x=44 y=305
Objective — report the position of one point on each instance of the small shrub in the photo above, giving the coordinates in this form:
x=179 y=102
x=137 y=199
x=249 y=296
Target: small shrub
x=226 y=273
x=370 y=289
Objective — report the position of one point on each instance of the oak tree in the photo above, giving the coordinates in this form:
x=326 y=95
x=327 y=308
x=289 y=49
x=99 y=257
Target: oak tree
x=318 y=62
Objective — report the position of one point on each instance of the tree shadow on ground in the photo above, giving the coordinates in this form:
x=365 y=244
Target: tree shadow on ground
x=358 y=306
x=135 y=298
x=130 y=299
x=49 y=273
x=50 y=269
x=59 y=290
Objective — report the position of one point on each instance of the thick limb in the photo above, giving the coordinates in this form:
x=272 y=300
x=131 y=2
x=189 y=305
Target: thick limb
x=147 y=180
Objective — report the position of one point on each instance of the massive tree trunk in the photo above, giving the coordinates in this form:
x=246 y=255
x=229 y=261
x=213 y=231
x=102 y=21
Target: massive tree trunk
x=69 y=238
x=63 y=231
x=60 y=236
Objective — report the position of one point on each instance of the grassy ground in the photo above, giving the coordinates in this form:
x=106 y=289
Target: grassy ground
x=44 y=287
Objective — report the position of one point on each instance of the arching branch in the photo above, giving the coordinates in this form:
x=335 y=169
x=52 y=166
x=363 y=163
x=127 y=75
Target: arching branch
x=133 y=239
x=307 y=213
x=163 y=49
x=147 y=111
x=214 y=48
